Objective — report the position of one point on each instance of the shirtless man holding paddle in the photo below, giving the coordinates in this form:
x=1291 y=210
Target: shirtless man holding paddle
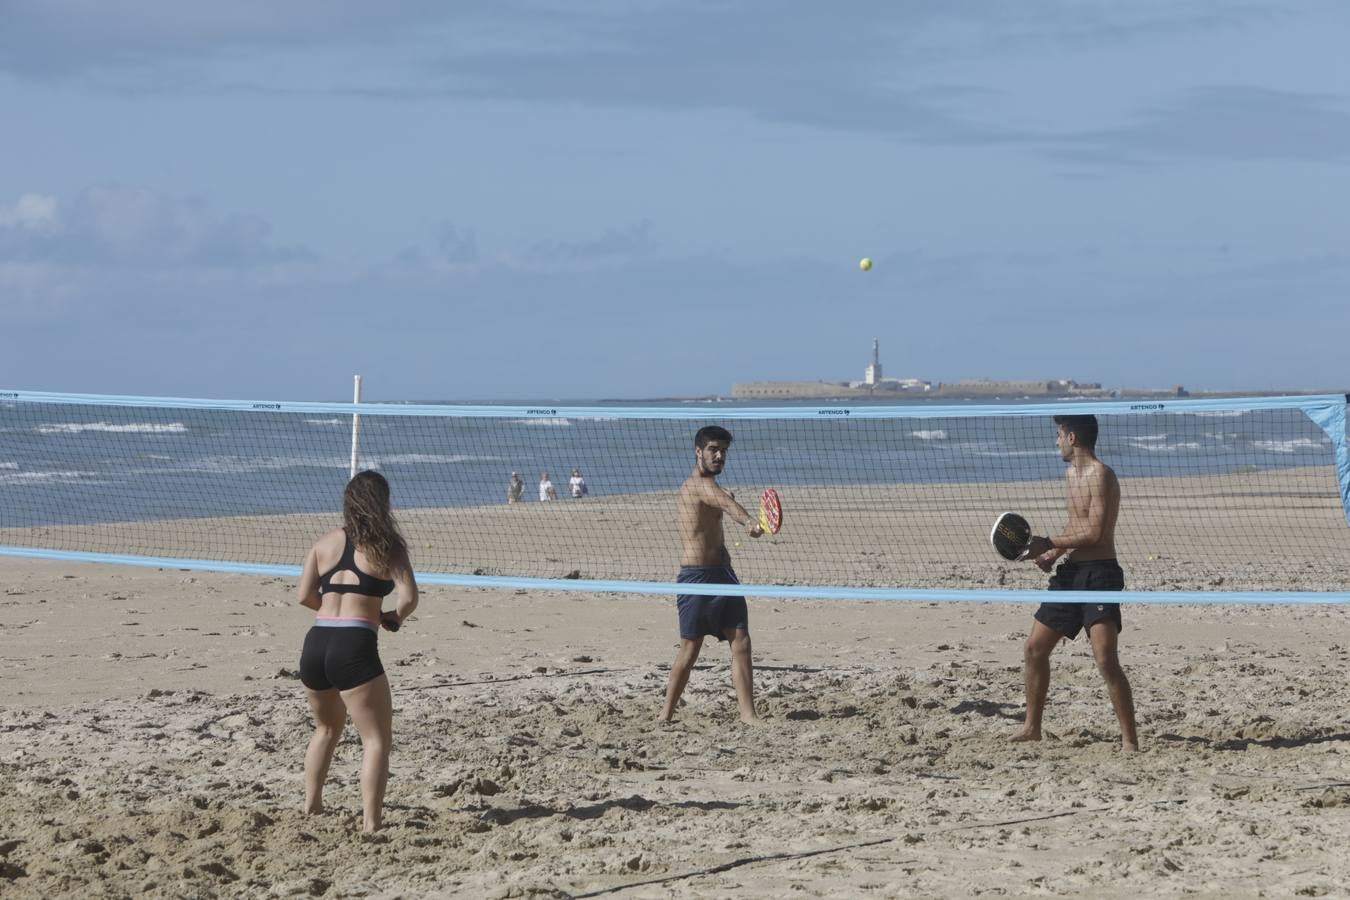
x=1093 y=495
x=705 y=560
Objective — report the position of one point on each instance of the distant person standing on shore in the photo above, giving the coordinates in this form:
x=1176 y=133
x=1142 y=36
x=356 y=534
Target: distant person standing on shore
x=515 y=488
x=578 y=485
x=546 y=489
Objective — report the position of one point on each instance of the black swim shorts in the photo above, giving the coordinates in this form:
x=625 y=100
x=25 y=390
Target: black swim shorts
x=1091 y=575
x=341 y=658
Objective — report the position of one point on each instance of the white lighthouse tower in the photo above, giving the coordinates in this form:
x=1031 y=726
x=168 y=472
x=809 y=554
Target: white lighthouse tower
x=872 y=376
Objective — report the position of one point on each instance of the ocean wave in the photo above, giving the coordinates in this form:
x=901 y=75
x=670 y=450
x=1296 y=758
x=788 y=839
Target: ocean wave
x=239 y=465
x=1151 y=438
x=329 y=421
x=9 y=465
x=1223 y=414
x=133 y=428
x=1293 y=446
x=557 y=422
x=936 y=434
x=1152 y=447
x=1008 y=454
x=408 y=459
x=58 y=477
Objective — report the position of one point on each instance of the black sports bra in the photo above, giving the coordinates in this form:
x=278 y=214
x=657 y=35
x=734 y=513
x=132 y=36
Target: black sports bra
x=366 y=585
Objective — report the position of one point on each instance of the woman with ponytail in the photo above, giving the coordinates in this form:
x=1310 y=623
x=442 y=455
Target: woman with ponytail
x=347 y=574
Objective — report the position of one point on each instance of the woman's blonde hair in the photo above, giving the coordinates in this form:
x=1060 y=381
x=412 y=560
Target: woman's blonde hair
x=369 y=520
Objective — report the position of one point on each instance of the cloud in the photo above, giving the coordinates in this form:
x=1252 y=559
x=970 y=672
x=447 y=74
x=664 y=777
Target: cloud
x=451 y=248
x=925 y=72
x=867 y=69
x=1236 y=123
x=138 y=228
x=454 y=249
x=36 y=292
x=32 y=213
x=66 y=38
x=628 y=241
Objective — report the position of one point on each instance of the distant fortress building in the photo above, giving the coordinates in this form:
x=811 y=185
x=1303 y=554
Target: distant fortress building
x=874 y=383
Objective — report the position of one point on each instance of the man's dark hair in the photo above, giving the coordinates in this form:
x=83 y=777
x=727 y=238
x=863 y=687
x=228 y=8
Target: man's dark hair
x=710 y=433
x=1082 y=427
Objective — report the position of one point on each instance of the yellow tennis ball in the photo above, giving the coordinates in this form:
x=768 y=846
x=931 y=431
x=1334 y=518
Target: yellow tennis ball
x=865 y=264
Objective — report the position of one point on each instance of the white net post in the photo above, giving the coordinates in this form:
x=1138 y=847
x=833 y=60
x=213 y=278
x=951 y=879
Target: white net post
x=356 y=424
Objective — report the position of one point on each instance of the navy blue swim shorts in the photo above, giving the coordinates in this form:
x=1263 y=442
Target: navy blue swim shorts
x=701 y=615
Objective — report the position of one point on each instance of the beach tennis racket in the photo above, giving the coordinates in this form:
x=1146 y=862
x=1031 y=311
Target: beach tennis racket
x=770 y=511
x=1011 y=536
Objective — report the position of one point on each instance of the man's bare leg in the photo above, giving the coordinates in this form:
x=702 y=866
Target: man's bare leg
x=742 y=673
x=1036 y=675
x=1104 y=637
x=679 y=675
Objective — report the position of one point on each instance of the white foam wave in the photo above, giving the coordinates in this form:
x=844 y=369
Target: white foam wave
x=1000 y=454
x=57 y=477
x=238 y=465
x=937 y=434
x=1294 y=446
x=556 y=422
x=1150 y=446
x=1223 y=414
x=9 y=465
x=408 y=459
x=329 y=421
x=1151 y=438
x=132 y=428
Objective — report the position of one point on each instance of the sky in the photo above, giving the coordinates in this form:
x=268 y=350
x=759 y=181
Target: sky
x=579 y=199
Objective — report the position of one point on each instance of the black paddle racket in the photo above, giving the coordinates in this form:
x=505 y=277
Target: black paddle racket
x=1011 y=536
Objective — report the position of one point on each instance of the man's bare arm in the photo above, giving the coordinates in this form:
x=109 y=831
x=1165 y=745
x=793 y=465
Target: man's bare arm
x=1046 y=561
x=715 y=495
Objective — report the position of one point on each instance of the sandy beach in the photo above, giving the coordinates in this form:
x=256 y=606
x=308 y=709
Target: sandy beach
x=153 y=730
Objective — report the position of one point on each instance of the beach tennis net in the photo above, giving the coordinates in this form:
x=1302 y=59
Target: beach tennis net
x=1219 y=498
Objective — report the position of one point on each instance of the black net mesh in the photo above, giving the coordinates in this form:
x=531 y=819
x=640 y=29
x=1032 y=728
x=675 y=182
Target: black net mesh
x=1236 y=500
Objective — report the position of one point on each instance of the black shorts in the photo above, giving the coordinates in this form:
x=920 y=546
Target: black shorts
x=341 y=658
x=1092 y=575
x=701 y=616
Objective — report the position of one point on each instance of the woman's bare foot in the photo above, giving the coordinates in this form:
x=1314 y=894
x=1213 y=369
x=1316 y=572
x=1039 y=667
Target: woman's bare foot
x=1026 y=734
